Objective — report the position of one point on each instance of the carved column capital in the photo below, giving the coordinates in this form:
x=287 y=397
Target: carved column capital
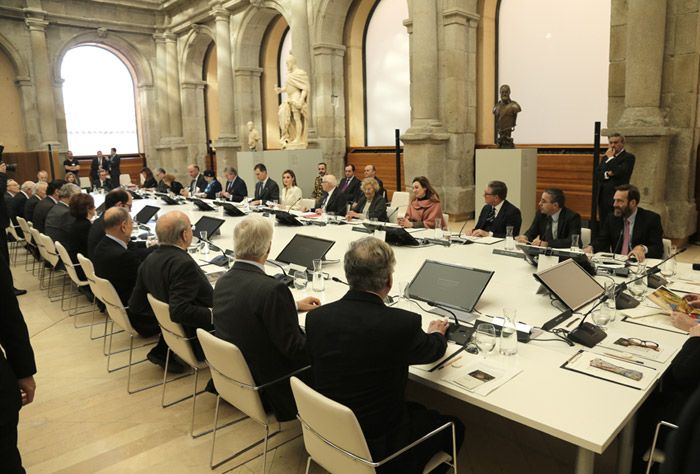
x=102 y=32
x=36 y=24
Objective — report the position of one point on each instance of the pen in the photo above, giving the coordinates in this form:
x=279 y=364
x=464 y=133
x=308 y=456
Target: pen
x=572 y=322
x=625 y=359
x=445 y=361
x=452 y=362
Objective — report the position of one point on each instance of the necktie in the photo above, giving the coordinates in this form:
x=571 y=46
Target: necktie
x=490 y=217
x=346 y=183
x=626 y=238
x=325 y=201
x=548 y=230
x=229 y=185
x=258 y=190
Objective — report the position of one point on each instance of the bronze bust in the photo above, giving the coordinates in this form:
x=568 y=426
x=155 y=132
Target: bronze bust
x=506 y=112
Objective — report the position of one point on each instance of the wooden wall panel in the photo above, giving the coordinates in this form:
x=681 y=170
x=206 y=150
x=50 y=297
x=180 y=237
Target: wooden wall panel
x=383 y=161
x=129 y=164
x=572 y=173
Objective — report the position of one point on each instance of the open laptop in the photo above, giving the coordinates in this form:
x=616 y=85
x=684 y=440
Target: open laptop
x=285 y=218
x=146 y=214
x=570 y=284
x=232 y=210
x=302 y=250
x=209 y=224
x=203 y=206
x=400 y=237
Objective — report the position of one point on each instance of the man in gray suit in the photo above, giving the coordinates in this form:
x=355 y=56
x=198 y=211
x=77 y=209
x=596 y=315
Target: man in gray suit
x=59 y=220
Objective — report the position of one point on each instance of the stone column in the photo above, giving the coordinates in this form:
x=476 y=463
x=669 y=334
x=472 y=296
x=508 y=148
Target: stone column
x=248 y=79
x=173 y=85
x=194 y=129
x=329 y=97
x=227 y=143
x=29 y=109
x=162 y=86
x=44 y=87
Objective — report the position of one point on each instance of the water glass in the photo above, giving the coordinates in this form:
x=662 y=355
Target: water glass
x=205 y=246
x=300 y=279
x=318 y=283
x=638 y=287
x=575 y=239
x=610 y=292
x=438 y=228
x=602 y=316
x=510 y=238
x=485 y=338
x=668 y=269
x=509 y=333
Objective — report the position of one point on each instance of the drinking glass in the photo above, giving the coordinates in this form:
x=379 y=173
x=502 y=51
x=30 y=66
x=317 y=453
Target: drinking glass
x=509 y=334
x=575 y=242
x=602 y=316
x=638 y=287
x=610 y=292
x=317 y=283
x=485 y=338
x=300 y=280
x=510 y=239
x=438 y=228
x=205 y=246
x=668 y=269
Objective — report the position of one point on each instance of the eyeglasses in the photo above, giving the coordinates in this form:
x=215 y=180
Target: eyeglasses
x=633 y=341
x=192 y=227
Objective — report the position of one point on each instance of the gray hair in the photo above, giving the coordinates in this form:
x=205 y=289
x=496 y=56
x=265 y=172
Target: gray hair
x=169 y=229
x=230 y=170
x=330 y=179
x=27 y=185
x=371 y=182
x=369 y=263
x=252 y=237
x=617 y=135
x=115 y=216
x=68 y=190
x=39 y=185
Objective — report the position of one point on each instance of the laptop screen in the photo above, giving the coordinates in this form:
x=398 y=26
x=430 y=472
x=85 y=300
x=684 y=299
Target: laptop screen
x=452 y=286
x=302 y=250
x=571 y=284
x=209 y=224
x=146 y=214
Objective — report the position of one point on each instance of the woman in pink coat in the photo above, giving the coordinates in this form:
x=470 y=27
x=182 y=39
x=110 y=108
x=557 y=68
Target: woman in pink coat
x=424 y=208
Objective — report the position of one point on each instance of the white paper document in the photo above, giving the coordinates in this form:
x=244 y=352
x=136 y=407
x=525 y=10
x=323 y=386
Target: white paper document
x=484 y=240
x=618 y=343
x=612 y=369
x=482 y=377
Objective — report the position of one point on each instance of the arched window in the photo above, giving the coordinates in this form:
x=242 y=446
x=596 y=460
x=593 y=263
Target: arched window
x=99 y=101
x=387 y=73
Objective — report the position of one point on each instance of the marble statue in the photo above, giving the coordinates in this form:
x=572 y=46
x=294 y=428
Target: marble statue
x=294 y=112
x=253 y=138
x=506 y=112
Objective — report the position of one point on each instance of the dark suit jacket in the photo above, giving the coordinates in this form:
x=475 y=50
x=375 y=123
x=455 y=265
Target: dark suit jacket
x=360 y=351
x=201 y=184
x=352 y=190
x=78 y=238
x=174 y=188
x=4 y=214
x=213 y=188
x=97 y=232
x=58 y=223
x=377 y=208
x=621 y=166
x=95 y=167
x=257 y=313
x=107 y=184
x=569 y=223
x=18 y=360
x=29 y=207
x=647 y=231
x=41 y=211
x=150 y=183
x=115 y=168
x=161 y=187
x=271 y=191
x=507 y=216
x=171 y=276
x=237 y=189
x=17 y=206
x=337 y=203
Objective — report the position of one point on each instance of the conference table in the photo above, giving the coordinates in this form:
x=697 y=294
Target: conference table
x=585 y=411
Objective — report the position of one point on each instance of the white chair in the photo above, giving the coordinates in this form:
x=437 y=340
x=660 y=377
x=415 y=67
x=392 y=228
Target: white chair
x=667 y=247
x=334 y=439
x=51 y=256
x=585 y=236
x=235 y=384
x=89 y=270
x=124 y=179
x=36 y=237
x=76 y=280
x=179 y=343
x=654 y=455
x=26 y=230
x=307 y=203
x=14 y=245
x=399 y=199
x=117 y=314
x=395 y=212
x=85 y=182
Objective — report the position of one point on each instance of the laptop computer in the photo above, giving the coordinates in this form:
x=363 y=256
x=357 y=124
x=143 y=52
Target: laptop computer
x=146 y=214
x=285 y=218
x=302 y=250
x=570 y=284
x=209 y=224
x=400 y=237
x=203 y=206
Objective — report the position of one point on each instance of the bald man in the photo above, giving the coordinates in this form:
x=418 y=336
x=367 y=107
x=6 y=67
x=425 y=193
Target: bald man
x=173 y=277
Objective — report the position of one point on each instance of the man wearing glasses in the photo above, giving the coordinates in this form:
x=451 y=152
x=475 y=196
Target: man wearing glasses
x=497 y=213
x=554 y=224
x=615 y=169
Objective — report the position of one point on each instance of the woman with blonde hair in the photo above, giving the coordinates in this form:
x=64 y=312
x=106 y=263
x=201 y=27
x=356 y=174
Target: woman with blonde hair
x=372 y=204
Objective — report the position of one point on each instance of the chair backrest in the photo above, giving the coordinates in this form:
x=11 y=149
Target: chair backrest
x=124 y=179
x=585 y=236
x=25 y=226
x=115 y=308
x=400 y=199
x=85 y=182
x=321 y=417
x=89 y=270
x=667 y=247
x=50 y=253
x=10 y=229
x=307 y=203
x=173 y=333
x=68 y=263
x=232 y=377
x=394 y=213
x=36 y=236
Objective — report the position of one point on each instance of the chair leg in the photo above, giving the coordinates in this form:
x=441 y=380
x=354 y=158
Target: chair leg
x=265 y=440
x=308 y=465
x=267 y=432
x=454 y=449
x=128 y=380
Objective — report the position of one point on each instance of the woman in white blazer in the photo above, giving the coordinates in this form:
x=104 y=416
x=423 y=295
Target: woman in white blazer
x=290 y=197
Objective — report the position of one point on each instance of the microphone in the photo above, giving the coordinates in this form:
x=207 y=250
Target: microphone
x=220 y=260
x=284 y=278
x=339 y=281
x=462 y=228
x=444 y=243
x=456 y=332
x=396 y=209
x=295 y=203
x=655 y=281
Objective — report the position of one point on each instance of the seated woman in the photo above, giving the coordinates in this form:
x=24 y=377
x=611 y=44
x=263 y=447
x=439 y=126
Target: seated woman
x=425 y=207
x=172 y=186
x=149 y=181
x=213 y=185
x=72 y=178
x=371 y=205
x=82 y=208
x=290 y=197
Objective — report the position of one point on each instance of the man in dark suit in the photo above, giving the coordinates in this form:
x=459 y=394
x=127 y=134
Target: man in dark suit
x=115 y=198
x=4 y=222
x=332 y=200
x=114 y=166
x=554 y=224
x=17 y=367
x=235 y=189
x=173 y=277
x=100 y=162
x=371 y=172
x=198 y=183
x=38 y=194
x=497 y=213
x=614 y=169
x=257 y=313
x=161 y=188
x=266 y=189
x=350 y=185
x=17 y=204
x=118 y=264
x=630 y=230
x=104 y=182
x=42 y=209
x=360 y=351
x=59 y=220
x=213 y=185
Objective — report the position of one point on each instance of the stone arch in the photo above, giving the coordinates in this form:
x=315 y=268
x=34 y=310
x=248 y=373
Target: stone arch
x=254 y=26
x=20 y=65
x=196 y=44
x=330 y=21
x=131 y=56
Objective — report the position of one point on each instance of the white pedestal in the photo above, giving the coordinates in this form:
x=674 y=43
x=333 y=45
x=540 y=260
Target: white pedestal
x=302 y=162
x=518 y=169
